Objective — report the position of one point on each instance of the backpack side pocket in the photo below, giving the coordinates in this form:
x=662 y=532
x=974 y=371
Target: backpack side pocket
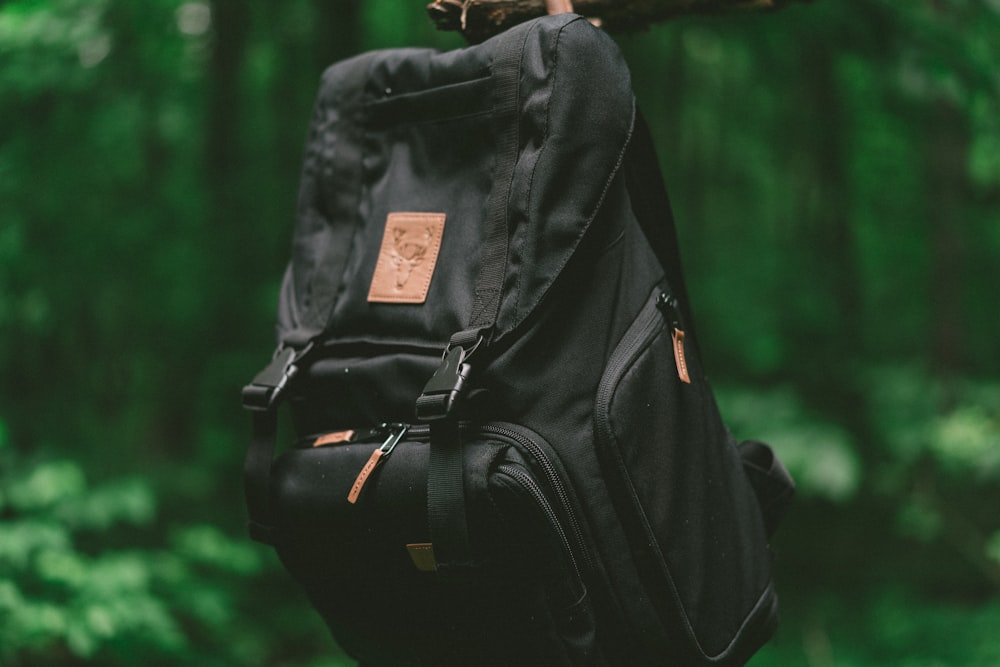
x=695 y=531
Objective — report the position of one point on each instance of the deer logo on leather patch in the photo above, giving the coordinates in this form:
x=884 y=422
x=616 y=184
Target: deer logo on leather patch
x=407 y=258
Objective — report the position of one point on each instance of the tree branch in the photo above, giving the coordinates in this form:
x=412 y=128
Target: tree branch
x=479 y=19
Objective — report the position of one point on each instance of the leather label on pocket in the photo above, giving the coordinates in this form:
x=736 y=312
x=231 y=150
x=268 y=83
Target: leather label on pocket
x=422 y=554
x=407 y=258
x=334 y=438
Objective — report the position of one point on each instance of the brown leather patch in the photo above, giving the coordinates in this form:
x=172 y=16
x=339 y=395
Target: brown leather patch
x=422 y=555
x=407 y=258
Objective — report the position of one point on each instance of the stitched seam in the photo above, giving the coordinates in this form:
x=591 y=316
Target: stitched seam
x=541 y=154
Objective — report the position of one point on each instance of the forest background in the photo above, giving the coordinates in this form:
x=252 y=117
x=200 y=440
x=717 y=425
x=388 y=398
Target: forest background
x=835 y=172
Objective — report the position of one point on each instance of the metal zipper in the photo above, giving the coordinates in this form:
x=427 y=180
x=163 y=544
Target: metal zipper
x=640 y=334
x=395 y=434
x=671 y=310
x=637 y=337
x=528 y=483
x=553 y=480
x=358 y=435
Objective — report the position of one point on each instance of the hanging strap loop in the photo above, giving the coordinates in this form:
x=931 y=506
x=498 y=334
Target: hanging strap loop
x=559 y=6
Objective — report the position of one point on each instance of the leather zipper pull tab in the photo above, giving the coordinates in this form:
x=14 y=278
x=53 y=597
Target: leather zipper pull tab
x=669 y=307
x=363 y=476
x=679 y=359
x=396 y=433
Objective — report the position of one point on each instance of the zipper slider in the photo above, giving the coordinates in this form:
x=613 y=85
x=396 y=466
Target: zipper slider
x=396 y=433
x=669 y=307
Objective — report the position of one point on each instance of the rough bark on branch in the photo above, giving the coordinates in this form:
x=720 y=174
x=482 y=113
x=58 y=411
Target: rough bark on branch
x=479 y=19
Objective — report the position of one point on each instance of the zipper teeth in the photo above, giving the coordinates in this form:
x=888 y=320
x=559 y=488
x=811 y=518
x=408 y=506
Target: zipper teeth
x=638 y=337
x=529 y=484
x=548 y=470
x=551 y=474
x=552 y=477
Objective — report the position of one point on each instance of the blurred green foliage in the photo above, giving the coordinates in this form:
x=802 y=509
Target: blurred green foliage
x=98 y=574
x=835 y=169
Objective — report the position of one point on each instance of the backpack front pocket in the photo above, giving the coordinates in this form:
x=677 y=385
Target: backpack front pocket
x=355 y=501
x=528 y=488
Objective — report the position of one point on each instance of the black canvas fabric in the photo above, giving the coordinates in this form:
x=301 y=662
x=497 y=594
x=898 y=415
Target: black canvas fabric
x=558 y=467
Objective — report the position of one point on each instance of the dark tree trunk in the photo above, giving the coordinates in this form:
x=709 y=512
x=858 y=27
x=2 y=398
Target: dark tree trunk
x=306 y=36
x=827 y=316
x=224 y=161
x=948 y=187
x=947 y=158
x=338 y=30
x=231 y=27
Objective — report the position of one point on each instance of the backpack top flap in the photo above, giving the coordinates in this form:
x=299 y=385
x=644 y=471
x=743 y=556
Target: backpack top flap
x=447 y=190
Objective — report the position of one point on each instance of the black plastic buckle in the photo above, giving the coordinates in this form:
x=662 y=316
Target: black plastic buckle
x=268 y=386
x=445 y=388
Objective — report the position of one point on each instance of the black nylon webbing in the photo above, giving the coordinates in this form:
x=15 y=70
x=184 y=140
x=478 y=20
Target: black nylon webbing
x=257 y=474
x=493 y=261
x=651 y=205
x=448 y=525
x=446 y=497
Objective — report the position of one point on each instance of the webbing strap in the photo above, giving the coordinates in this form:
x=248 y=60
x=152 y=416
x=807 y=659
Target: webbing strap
x=652 y=209
x=449 y=528
x=559 y=6
x=446 y=498
x=263 y=396
x=257 y=474
x=493 y=260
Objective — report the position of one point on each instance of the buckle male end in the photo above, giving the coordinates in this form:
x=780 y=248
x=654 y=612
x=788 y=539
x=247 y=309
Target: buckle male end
x=270 y=384
x=445 y=388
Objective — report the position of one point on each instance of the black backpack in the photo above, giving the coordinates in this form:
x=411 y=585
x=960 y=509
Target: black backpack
x=509 y=453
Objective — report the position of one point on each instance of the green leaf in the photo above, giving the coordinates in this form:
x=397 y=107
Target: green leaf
x=21 y=540
x=47 y=484
x=993 y=547
x=62 y=567
x=819 y=454
x=129 y=500
x=968 y=439
x=208 y=545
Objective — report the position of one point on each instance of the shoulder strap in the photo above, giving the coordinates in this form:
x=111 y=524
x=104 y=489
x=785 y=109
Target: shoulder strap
x=651 y=205
x=493 y=261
